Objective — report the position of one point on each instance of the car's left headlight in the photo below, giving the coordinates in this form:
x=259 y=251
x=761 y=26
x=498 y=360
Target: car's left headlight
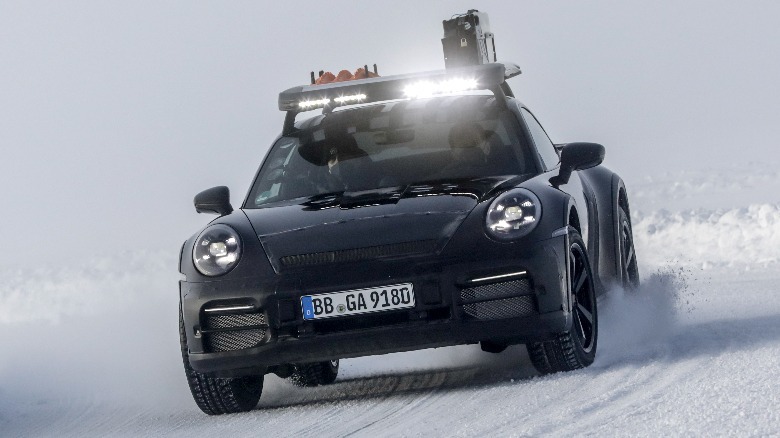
x=217 y=250
x=513 y=214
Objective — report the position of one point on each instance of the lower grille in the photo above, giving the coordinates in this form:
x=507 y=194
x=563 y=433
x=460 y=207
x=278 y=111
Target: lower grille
x=503 y=308
x=497 y=290
x=233 y=332
x=507 y=299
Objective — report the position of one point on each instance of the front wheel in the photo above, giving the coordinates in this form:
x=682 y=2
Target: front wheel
x=314 y=374
x=576 y=347
x=216 y=396
x=628 y=263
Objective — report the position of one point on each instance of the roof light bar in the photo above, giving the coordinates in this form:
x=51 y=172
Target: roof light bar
x=307 y=105
x=313 y=104
x=350 y=98
x=422 y=89
x=376 y=89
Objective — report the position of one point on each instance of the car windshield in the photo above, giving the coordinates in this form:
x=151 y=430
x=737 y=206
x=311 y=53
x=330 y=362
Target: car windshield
x=393 y=144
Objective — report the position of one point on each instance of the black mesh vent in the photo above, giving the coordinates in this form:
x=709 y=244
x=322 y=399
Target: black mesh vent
x=357 y=254
x=504 y=308
x=232 y=321
x=231 y=335
x=236 y=340
x=497 y=290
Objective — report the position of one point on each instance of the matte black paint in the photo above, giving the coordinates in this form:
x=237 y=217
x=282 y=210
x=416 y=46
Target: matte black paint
x=453 y=214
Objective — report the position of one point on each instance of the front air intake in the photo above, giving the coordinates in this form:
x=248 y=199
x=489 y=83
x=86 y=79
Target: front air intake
x=508 y=299
x=504 y=308
x=233 y=331
x=496 y=290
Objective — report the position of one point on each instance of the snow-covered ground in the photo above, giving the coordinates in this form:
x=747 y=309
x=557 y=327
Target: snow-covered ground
x=92 y=349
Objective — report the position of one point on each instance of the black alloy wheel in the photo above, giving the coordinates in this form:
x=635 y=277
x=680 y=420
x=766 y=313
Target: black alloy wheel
x=628 y=262
x=576 y=347
x=583 y=297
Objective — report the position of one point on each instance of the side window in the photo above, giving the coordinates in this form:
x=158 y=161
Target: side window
x=272 y=176
x=543 y=144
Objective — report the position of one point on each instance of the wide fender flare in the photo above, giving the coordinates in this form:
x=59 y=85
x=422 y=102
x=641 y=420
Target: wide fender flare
x=563 y=227
x=619 y=197
x=608 y=191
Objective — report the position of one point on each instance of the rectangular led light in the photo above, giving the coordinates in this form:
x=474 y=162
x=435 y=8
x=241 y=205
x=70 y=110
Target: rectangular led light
x=496 y=277
x=311 y=104
x=350 y=98
x=227 y=309
x=421 y=89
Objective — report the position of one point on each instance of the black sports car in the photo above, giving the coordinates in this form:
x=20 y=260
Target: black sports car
x=416 y=211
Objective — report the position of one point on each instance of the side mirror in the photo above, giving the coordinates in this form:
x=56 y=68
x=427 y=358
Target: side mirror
x=577 y=156
x=215 y=200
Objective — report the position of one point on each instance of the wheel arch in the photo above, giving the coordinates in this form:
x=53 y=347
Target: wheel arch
x=619 y=199
x=573 y=217
x=609 y=192
x=573 y=222
x=623 y=198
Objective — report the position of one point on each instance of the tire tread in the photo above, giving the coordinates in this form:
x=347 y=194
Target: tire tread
x=216 y=396
x=562 y=353
x=313 y=374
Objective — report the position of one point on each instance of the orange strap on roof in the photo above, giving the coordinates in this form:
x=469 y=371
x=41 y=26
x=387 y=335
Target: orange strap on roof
x=325 y=78
x=344 y=75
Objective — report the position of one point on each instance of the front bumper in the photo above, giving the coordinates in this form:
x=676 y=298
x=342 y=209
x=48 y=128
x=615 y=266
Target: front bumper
x=447 y=310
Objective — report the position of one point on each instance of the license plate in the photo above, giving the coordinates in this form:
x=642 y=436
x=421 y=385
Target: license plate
x=357 y=301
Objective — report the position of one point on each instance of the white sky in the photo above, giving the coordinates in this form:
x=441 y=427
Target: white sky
x=114 y=114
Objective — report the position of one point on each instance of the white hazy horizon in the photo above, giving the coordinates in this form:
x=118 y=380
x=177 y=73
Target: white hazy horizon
x=114 y=115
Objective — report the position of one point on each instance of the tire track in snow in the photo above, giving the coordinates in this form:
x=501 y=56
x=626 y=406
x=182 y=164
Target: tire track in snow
x=370 y=400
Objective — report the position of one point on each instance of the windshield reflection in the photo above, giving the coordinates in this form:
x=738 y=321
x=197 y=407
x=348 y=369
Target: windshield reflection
x=377 y=154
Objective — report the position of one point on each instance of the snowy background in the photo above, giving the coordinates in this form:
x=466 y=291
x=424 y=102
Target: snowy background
x=113 y=115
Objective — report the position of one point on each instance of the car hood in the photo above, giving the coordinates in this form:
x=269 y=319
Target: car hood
x=386 y=223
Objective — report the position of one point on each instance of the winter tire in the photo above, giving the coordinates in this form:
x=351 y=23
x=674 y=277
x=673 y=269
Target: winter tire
x=576 y=347
x=314 y=374
x=216 y=396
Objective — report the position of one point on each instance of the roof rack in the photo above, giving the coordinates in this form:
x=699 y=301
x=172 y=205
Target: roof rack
x=490 y=76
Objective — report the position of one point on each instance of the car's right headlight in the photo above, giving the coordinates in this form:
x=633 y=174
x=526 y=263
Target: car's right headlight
x=513 y=214
x=217 y=250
